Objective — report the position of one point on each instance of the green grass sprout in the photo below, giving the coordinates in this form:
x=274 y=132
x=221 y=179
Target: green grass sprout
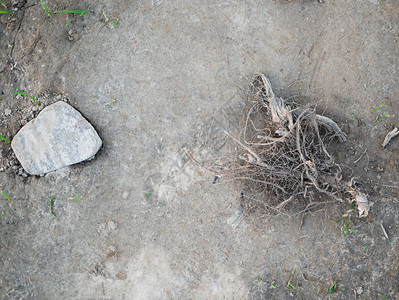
x=25 y=94
x=289 y=284
x=345 y=228
x=332 y=289
x=149 y=194
x=352 y=118
x=4 y=139
x=2 y=215
x=5 y=6
x=377 y=119
x=51 y=207
x=77 y=197
x=67 y=20
x=5 y=195
x=375 y=109
x=272 y=286
x=79 y=12
x=45 y=9
x=116 y=22
x=383 y=297
x=6 y=12
x=105 y=16
x=110 y=102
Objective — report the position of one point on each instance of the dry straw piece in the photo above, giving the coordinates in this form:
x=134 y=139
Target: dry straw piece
x=283 y=158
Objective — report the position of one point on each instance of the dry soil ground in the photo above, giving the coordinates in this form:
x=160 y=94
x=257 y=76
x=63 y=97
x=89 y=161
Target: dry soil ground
x=175 y=72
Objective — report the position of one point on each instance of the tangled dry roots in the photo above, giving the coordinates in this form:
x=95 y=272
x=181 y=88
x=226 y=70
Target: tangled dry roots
x=283 y=156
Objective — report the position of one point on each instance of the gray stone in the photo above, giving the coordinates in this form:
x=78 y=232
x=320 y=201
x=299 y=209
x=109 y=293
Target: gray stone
x=60 y=136
x=7 y=112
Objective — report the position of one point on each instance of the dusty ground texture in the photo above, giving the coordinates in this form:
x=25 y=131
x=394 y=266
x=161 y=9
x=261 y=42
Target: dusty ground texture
x=178 y=71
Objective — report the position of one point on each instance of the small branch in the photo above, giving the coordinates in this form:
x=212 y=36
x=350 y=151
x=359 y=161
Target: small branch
x=357 y=160
x=385 y=232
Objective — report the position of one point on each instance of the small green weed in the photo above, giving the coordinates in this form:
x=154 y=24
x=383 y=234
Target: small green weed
x=289 y=284
x=77 y=197
x=2 y=215
x=272 y=286
x=332 y=290
x=105 y=17
x=377 y=119
x=352 y=118
x=108 y=20
x=383 y=297
x=149 y=194
x=5 y=195
x=78 y=12
x=110 y=102
x=345 y=228
x=45 y=9
x=379 y=107
x=6 y=12
x=5 y=6
x=4 y=139
x=51 y=207
x=25 y=94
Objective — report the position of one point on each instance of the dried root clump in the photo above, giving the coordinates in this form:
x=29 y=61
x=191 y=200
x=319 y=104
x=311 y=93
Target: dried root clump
x=283 y=155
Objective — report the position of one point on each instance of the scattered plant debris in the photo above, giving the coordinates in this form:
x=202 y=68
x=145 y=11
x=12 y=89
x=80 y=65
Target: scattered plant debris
x=283 y=159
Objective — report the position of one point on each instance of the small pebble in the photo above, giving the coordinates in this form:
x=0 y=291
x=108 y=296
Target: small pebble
x=378 y=177
x=35 y=108
x=359 y=290
x=7 y=112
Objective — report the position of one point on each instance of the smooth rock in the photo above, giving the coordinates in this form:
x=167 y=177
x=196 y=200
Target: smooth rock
x=59 y=136
x=7 y=112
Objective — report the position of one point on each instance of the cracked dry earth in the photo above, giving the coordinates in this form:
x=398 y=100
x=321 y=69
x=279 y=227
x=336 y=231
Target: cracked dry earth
x=142 y=220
